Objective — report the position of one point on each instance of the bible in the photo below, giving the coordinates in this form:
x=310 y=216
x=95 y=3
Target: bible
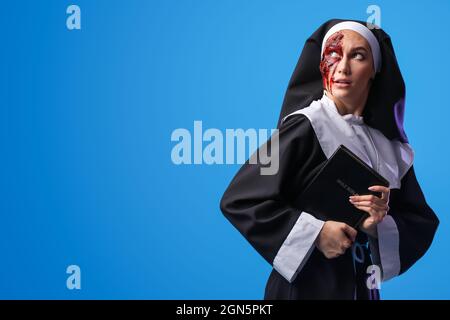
x=344 y=174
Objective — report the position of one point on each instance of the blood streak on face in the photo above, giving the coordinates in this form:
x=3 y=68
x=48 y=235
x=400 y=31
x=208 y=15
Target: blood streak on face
x=330 y=60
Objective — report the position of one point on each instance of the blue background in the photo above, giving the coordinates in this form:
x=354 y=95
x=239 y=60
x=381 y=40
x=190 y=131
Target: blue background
x=87 y=116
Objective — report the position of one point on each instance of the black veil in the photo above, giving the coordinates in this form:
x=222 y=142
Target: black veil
x=384 y=109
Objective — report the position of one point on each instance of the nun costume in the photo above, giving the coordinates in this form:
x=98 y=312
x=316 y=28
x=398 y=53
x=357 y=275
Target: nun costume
x=310 y=128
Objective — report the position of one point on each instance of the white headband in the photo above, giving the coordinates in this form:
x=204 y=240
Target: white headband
x=363 y=31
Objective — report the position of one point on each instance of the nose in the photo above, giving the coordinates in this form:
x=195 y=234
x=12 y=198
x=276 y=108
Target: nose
x=344 y=66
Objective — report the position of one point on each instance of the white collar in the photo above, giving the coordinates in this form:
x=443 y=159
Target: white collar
x=332 y=129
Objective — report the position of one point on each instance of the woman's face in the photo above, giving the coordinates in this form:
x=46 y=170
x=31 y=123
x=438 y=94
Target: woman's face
x=347 y=67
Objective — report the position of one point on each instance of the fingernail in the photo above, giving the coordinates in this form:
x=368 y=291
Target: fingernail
x=370 y=188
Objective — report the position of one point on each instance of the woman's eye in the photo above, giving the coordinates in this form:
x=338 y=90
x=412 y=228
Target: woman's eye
x=359 y=56
x=334 y=54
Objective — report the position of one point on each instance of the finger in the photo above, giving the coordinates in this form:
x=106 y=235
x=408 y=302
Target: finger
x=350 y=232
x=370 y=198
x=346 y=244
x=379 y=188
x=377 y=215
x=383 y=207
x=363 y=197
x=384 y=191
x=369 y=209
x=343 y=249
x=331 y=254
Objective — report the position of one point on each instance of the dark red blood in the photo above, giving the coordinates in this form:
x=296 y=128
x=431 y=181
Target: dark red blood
x=333 y=44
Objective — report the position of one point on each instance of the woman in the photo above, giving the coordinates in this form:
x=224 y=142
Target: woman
x=346 y=89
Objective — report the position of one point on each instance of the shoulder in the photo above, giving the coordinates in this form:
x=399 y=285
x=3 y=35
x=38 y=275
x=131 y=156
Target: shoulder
x=309 y=112
x=296 y=126
x=297 y=134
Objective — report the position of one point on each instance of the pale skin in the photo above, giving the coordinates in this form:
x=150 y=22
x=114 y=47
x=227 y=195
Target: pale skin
x=354 y=63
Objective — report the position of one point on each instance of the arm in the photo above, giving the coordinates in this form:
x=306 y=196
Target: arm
x=258 y=205
x=407 y=232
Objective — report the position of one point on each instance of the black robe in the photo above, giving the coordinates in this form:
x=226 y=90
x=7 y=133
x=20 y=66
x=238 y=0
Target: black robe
x=260 y=207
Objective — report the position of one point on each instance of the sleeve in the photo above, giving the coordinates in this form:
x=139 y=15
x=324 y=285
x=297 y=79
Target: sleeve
x=407 y=232
x=259 y=205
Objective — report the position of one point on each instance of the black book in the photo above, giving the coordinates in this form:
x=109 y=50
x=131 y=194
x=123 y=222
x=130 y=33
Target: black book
x=343 y=174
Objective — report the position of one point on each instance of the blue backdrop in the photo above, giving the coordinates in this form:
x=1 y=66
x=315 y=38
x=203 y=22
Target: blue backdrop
x=86 y=123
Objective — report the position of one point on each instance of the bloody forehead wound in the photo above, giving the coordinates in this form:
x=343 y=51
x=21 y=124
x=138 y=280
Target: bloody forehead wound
x=328 y=62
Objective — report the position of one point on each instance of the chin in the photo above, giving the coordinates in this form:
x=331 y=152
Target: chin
x=342 y=93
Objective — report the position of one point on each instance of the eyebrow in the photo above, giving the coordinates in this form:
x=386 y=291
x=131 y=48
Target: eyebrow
x=359 y=48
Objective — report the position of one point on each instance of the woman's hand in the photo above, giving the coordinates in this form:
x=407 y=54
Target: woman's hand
x=335 y=238
x=375 y=206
